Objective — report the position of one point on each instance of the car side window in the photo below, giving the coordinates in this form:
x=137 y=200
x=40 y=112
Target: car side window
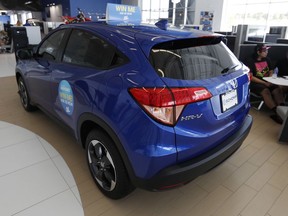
x=86 y=49
x=50 y=47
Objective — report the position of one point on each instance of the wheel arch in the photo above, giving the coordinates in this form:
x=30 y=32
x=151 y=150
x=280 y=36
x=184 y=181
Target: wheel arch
x=88 y=122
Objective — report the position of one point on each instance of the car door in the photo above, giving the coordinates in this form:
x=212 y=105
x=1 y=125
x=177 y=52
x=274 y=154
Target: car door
x=72 y=91
x=39 y=73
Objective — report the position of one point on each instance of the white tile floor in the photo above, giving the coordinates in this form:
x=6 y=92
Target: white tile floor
x=34 y=178
x=253 y=182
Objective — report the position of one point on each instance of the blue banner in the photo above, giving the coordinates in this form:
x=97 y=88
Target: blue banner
x=118 y=14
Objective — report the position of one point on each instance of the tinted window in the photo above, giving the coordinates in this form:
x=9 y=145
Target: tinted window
x=49 y=48
x=86 y=49
x=192 y=60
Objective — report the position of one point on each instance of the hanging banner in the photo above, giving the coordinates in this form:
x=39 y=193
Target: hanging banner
x=206 y=20
x=118 y=14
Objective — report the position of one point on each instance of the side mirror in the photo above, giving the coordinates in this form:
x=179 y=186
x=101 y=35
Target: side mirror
x=24 y=54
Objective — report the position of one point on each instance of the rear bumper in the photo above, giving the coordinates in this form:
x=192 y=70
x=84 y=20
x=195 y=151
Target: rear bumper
x=180 y=174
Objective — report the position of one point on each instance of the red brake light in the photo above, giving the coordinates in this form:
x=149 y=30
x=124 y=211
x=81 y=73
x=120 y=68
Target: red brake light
x=166 y=104
x=185 y=96
x=156 y=97
x=250 y=75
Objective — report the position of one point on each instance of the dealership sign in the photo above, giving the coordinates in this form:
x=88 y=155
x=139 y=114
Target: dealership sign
x=118 y=14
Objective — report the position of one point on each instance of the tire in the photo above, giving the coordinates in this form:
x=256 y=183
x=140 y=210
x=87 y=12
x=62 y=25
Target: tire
x=24 y=95
x=106 y=166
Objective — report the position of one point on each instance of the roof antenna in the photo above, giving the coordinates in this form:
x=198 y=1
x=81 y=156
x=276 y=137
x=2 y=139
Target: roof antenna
x=162 y=24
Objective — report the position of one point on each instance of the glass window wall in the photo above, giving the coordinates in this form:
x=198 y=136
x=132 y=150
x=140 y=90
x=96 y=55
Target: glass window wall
x=255 y=12
x=178 y=13
x=153 y=10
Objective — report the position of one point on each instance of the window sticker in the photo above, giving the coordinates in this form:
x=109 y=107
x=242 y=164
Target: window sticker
x=66 y=97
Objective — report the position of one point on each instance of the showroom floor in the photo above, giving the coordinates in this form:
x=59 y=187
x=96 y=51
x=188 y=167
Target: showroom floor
x=253 y=182
x=34 y=178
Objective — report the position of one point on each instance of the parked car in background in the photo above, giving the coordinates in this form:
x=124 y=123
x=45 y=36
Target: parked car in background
x=153 y=108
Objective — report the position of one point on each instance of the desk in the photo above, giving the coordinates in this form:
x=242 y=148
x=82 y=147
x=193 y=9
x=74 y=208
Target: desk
x=277 y=81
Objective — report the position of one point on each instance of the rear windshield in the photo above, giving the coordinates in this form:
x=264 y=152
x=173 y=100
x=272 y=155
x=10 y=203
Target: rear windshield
x=193 y=59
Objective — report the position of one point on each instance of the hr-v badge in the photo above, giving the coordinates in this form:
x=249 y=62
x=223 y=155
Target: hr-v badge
x=233 y=83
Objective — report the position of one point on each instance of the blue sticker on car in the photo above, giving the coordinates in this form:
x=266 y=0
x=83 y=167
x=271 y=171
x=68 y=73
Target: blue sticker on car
x=66 y=97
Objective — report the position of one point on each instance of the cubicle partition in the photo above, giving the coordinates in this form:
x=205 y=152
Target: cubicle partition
x=276 y=52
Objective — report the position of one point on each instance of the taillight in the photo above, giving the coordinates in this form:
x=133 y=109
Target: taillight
x=166 y=104
x=250 y=75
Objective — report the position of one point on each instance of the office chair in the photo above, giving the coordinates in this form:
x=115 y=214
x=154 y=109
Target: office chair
x=256 y=99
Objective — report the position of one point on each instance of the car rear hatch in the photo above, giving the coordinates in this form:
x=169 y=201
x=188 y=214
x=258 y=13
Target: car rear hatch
x=217 y=85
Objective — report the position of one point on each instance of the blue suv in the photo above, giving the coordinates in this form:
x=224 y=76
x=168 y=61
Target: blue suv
x=154 y=108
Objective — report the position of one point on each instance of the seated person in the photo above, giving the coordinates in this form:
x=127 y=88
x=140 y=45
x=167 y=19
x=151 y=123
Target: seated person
x=27 y=23
x=260 y=66
x=7 y=28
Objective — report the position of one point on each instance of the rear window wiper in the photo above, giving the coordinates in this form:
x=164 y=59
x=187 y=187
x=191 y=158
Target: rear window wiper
x=226 y=70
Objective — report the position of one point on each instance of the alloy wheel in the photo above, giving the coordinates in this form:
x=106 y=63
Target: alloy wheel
x=101 y=165
x=23 y=93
